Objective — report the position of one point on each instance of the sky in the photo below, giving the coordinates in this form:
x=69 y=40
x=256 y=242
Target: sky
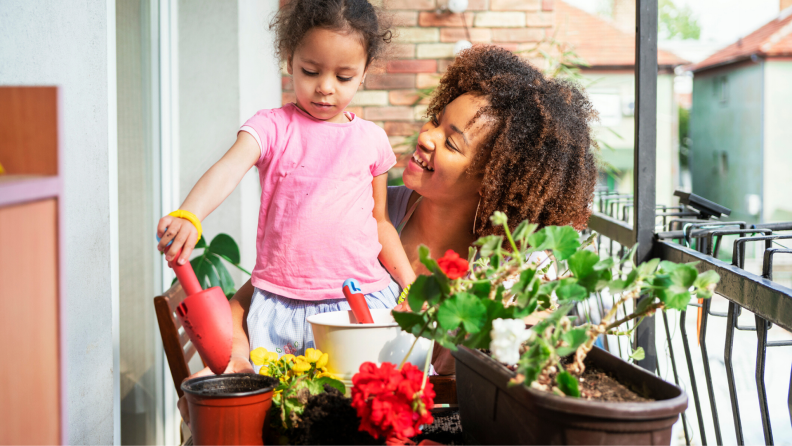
x=721 y=21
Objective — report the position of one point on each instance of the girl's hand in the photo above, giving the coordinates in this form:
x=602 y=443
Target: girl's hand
x=237 y=364
x=181 y=232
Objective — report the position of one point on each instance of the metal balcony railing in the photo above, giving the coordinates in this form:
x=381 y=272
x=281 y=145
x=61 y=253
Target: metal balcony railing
x=685 y=234
x=695 y=234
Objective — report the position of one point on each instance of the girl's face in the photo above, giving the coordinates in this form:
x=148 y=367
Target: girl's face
x=446 y=148
x=327 y=69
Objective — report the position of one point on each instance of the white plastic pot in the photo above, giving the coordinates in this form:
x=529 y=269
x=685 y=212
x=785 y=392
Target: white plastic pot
x=350 y=344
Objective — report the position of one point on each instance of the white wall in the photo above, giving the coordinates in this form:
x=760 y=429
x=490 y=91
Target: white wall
x=227 y=72
x=71 y=45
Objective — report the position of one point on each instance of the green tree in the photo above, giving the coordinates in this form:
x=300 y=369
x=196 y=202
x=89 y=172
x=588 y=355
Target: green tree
x=677 y=22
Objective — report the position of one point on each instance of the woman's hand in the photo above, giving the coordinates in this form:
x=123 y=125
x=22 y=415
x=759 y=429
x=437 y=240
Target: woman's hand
x=237 y=364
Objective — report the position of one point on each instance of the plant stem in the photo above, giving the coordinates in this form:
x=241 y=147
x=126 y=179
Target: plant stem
x=648 y=310
x=513 y=245
x=426 y=365
x=409 y=352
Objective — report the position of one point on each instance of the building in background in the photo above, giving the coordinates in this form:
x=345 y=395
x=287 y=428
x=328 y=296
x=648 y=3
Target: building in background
x=609 y=50
x=741 y=137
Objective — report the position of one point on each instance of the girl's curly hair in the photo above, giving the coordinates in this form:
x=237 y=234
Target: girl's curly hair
x=297 y=17
x=537 y=160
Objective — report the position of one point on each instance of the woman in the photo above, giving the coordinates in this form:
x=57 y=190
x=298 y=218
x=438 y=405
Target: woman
x=500 y=136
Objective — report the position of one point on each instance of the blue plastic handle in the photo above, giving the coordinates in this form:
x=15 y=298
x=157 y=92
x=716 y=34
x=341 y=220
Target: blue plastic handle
x=170 y=242
x=354 y=286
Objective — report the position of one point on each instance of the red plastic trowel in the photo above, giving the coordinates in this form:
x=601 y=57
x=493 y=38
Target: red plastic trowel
x=357 y=301
x=206 y=318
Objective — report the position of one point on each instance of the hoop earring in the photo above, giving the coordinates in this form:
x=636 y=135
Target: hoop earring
x=476 y=217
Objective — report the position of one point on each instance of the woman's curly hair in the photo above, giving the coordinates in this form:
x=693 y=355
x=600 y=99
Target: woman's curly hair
x=537 y=160
x=297 y=17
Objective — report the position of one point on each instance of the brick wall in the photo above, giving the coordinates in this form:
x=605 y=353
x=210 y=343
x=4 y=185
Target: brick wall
x=424 y=48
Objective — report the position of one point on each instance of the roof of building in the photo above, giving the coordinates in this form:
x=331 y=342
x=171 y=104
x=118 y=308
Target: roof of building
x=772 y=39
x=599 y=42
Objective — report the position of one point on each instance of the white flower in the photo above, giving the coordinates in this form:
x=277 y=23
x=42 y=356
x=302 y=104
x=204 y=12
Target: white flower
x=507 y=336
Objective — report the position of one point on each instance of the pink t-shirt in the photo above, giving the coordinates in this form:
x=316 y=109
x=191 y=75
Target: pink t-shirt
x=316 y=228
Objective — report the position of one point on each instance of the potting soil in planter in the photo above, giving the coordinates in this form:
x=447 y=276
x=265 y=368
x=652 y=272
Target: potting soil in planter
x=494 y=412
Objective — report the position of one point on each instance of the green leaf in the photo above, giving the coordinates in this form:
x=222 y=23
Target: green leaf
x=674 y=301
x=574 y=338
x=223 y=244
x=643 y=304
x=526 y=279
x=638 y=354
x=201 y=243
x=528 y=297
x=523 y=230
x=562 y=240
x=489 y=245
x=410 y=322
x=481 y=288
x=706 y=279
x=334 y=383
x=552 y=319
x=571 y=292
x=471 y=256
x=568 y=384
x=684 y=276
x=424 y=289
x=462 y=308
x=426 y=258
x=431 y=264
x=582 y=263
x=647 y=268
x=226 y=282
x=495 y=310
x=605 y=264
x=667 y=267
x=201 y=267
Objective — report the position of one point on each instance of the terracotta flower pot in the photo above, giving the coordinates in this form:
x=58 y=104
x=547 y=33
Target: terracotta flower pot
x=229 y=409
x=493 y=412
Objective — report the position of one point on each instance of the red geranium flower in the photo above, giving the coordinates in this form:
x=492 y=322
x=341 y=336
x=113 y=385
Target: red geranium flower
x=452 y=265
x=390 y=402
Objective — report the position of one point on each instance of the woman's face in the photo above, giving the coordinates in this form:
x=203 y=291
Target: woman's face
x=446 y=148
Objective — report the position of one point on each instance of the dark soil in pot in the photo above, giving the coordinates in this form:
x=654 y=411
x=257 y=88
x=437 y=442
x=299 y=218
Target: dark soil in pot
x=330 y=419
x=493 y=412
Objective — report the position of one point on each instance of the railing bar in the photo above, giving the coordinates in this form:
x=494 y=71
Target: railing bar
x=761 y=296
x=761 y=352
x=676 y=375
x=692 y=374
x=727 y=357
x=707 y=373
x=779 y=343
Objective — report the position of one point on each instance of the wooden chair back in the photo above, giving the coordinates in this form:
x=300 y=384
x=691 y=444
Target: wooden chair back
x=178 y=348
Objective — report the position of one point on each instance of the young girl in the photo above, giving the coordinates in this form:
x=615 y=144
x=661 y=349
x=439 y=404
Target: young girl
x=323 y=216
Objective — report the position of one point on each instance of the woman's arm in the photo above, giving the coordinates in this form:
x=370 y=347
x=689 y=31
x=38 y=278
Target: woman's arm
x=392 y=255
x=214 y=186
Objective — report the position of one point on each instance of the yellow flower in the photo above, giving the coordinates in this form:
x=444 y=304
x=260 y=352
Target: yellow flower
x=324 y=372
x=301 y=367
x=313 y=355
x=287 y=358
x=322 y=361
x=261 y=356
x=264 y=370
x=300 y=358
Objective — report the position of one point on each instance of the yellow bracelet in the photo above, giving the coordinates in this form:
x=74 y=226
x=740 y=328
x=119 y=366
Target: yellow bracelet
x=404 y=293
x=189 y=216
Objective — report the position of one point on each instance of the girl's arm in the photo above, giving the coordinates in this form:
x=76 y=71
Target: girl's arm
x=214 y=186
x=392 y=255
